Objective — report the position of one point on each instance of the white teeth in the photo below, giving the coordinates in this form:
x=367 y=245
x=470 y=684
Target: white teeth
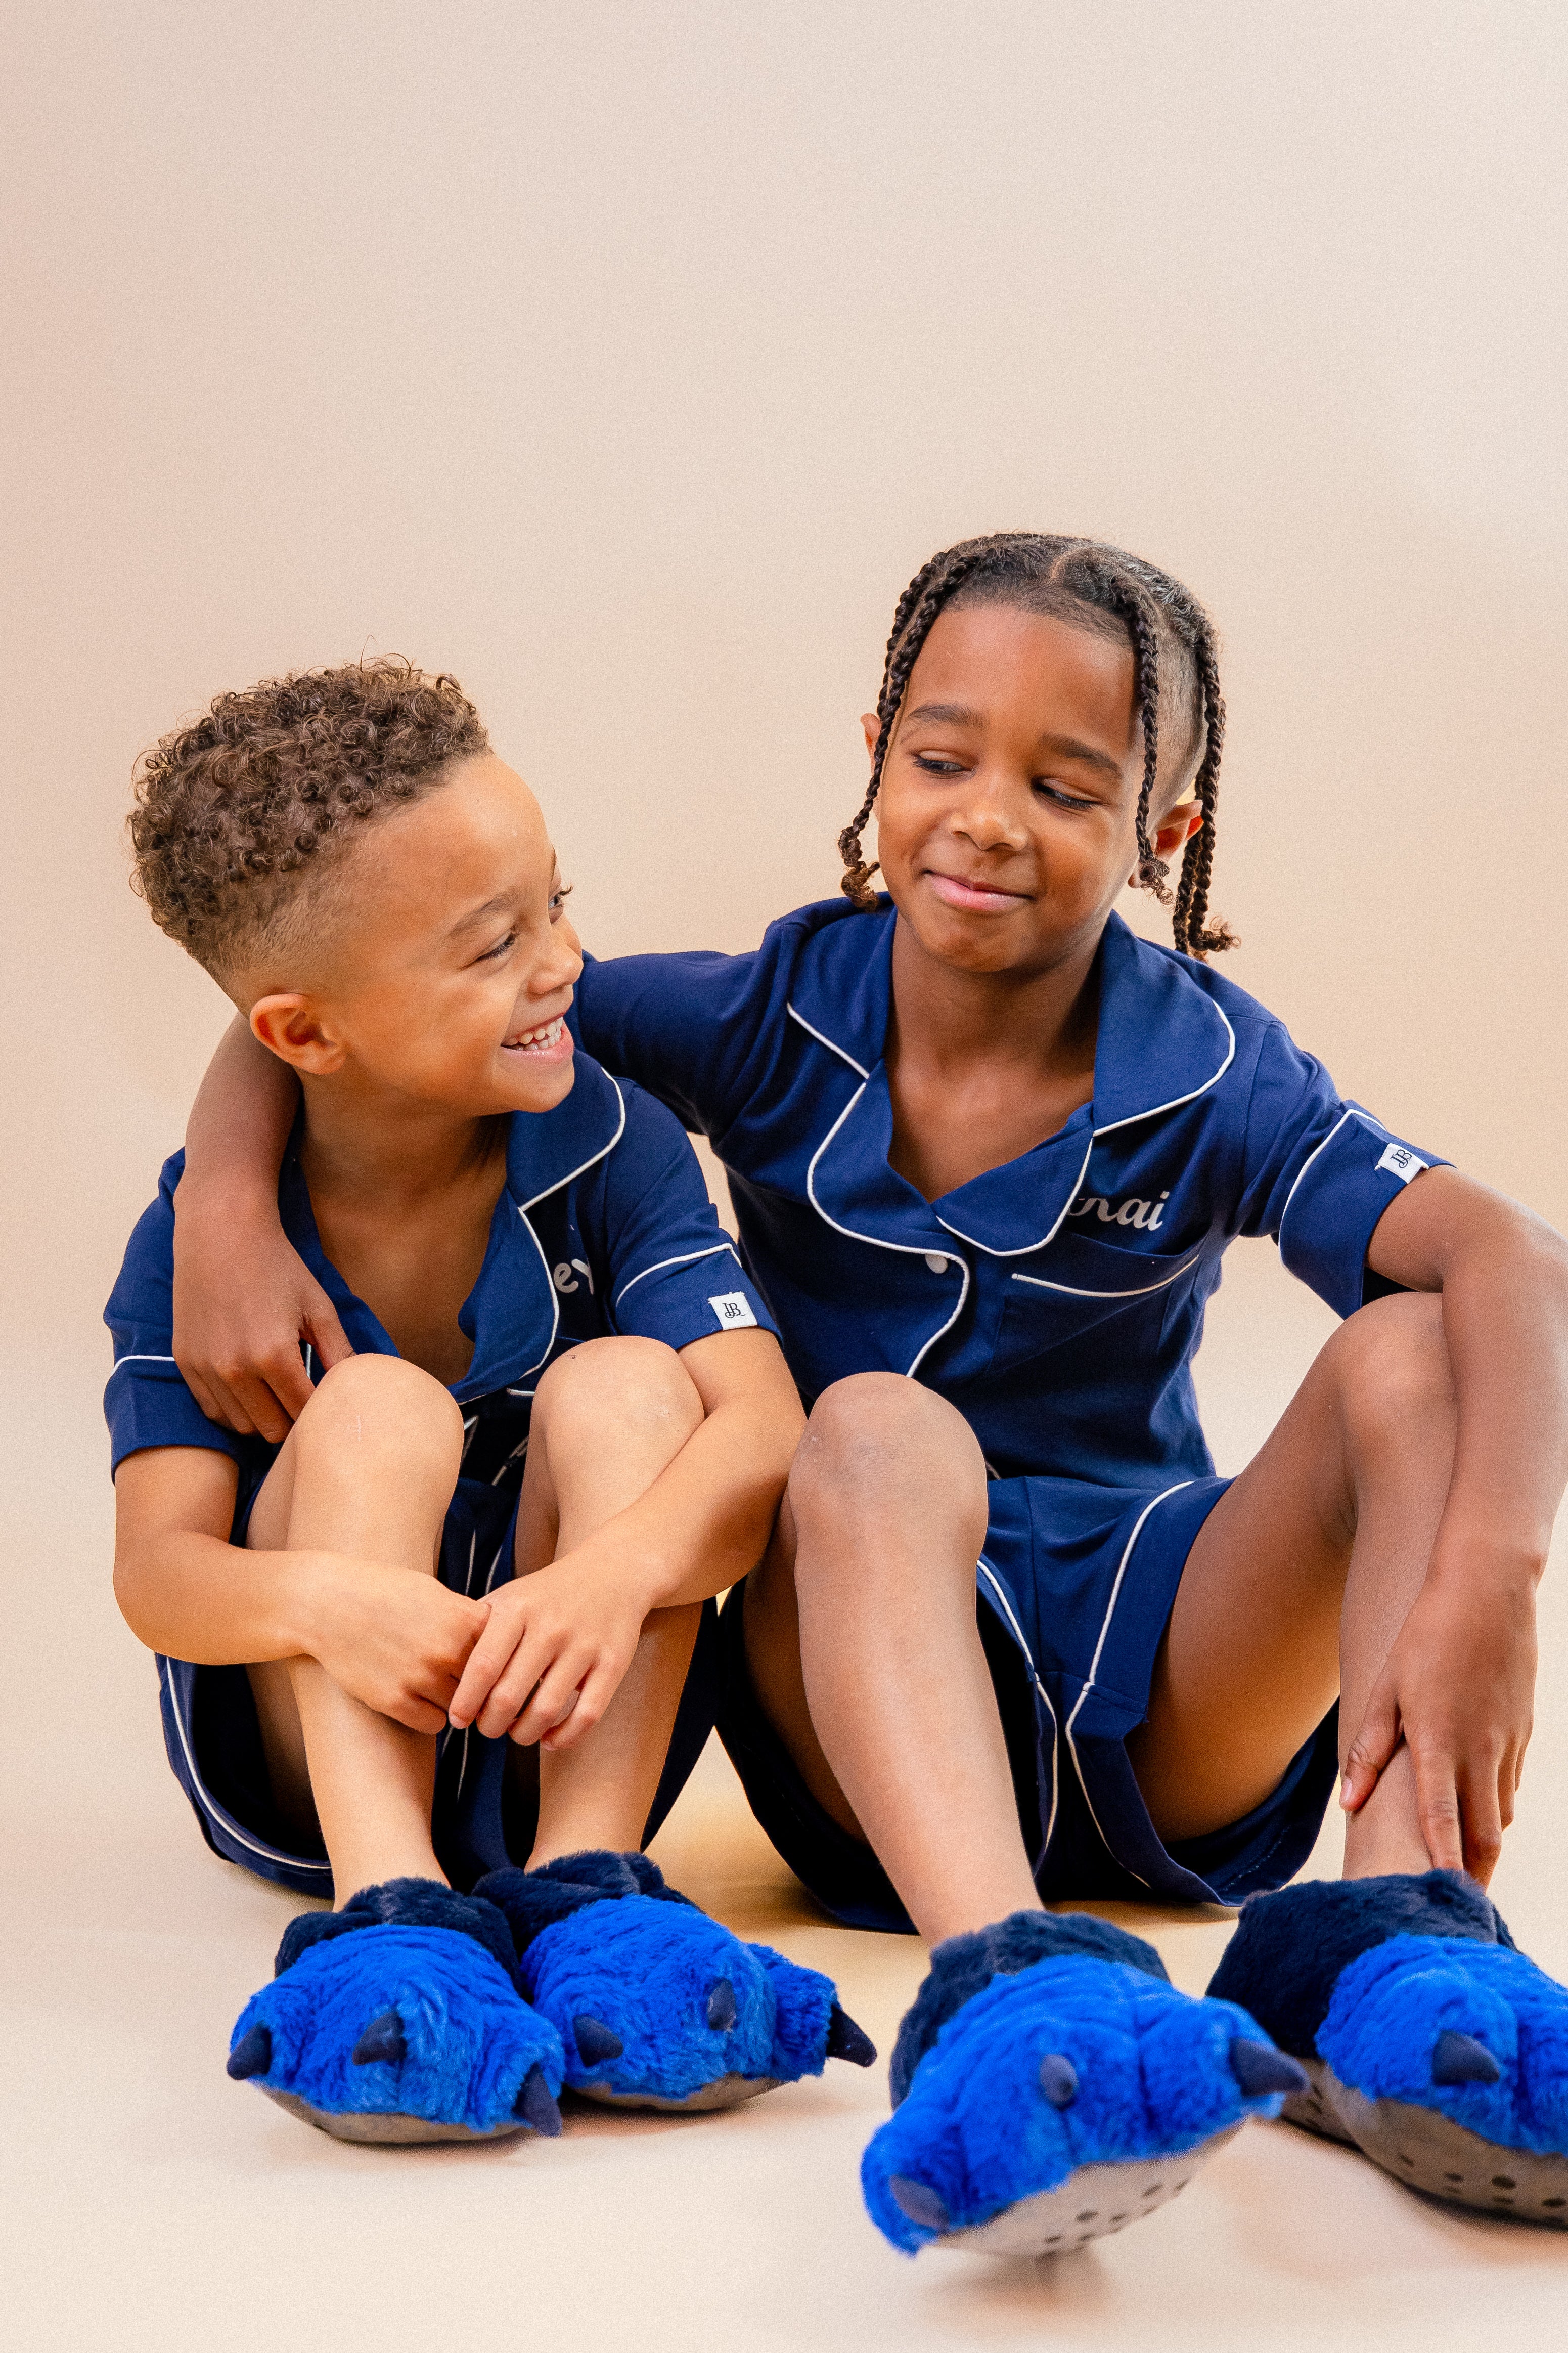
x=545 y=1037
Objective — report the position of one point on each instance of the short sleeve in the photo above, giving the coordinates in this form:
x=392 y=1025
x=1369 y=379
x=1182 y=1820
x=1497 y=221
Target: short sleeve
x=146 y=1402
x=683 y=1027
x=674 y=1273
x=1318 y=1172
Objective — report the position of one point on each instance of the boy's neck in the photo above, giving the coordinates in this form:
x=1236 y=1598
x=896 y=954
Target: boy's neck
x=1045 y=1020
x=392 y=1146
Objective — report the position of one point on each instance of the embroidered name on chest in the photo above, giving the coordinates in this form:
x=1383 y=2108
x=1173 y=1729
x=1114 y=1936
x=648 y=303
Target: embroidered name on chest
x=1131 y=1212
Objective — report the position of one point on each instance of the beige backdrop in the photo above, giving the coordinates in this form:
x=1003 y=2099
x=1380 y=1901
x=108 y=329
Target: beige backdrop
x=628 y=359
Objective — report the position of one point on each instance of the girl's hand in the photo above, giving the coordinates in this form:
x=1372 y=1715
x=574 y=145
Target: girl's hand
x=547 y=1665
x=1458 y=1689
x=244 y=1300
x=391 y=1637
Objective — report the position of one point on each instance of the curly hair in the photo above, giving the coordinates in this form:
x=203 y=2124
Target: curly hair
x=1103 y=589
x=237 y=815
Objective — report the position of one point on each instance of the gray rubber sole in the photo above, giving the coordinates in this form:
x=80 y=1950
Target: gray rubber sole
x=728 y=2091
x=1423 y=2148
x=1092 y=2203
x=388 y=2132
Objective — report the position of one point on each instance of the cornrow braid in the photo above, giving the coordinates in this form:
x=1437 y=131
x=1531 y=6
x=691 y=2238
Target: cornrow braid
x=1088 y=582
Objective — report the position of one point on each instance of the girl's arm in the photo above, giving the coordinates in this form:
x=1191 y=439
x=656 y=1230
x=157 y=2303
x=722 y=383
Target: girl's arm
x=703 y=1523
x=244 y=1299
x=391 y=1637
x=1458 y=1686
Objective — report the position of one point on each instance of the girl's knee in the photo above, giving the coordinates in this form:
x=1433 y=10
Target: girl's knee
x=627 y=1381
x=381 y=1397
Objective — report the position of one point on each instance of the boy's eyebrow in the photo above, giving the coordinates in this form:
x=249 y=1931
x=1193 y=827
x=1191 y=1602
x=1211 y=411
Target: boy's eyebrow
x=1067 y=747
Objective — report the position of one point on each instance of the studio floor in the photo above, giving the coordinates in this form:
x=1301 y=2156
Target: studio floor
x=150 y=2202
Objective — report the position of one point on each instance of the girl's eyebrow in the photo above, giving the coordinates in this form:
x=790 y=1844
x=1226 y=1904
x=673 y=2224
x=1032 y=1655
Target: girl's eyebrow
x=1066 y=747
x=496 y=906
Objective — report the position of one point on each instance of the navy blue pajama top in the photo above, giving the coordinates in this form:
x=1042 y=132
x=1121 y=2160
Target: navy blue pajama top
x=1056 y=1301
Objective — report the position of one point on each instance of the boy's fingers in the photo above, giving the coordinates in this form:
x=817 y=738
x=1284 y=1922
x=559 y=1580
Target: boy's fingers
x=595 y=1696
x=1437 y=1809
x=327 y=1334
x=509 y=1694
x=1482 y=1822
x=271 y=1420
x=280 y=1370
x=204 y=1397
x=419 y=1714
x=483 y=1664
x=556 y=1701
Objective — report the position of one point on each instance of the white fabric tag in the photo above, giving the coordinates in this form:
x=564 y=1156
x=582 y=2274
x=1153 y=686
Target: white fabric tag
x=1401 y=1162
x=733 y=1310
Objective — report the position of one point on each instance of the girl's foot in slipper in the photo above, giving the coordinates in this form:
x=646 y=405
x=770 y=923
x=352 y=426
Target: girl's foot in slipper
x=398 y=2018
x=656 y=2005
x=1432 y=2044
x=1050 y=2085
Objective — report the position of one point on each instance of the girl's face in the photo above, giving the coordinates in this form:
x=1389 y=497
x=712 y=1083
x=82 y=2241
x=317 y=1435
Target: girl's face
x=1006 y=816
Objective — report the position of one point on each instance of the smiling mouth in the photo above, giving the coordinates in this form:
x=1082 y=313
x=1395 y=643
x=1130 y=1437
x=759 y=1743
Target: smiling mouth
x=974 y=898
x=545 y=1039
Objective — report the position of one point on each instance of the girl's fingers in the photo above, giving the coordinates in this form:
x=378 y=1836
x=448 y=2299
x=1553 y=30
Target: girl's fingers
x=510 y=1693
x=1370 y=1751
x=482 y=1669
x=551 y=1704
x=595 y=1696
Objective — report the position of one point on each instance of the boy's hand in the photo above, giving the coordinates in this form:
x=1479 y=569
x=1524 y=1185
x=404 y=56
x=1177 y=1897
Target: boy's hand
x=1458 y=1689
x=566 y=1635
x=394 y=1639
x=244 y=1300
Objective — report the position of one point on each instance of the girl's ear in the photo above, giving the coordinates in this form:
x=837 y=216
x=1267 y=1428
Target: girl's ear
x=871 y=727
x=290 y=1026
x=1176 y=829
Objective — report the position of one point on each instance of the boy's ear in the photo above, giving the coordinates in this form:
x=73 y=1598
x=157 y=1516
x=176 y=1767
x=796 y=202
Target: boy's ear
x=871 y=727
x=1176 y=829
x=290 y=1026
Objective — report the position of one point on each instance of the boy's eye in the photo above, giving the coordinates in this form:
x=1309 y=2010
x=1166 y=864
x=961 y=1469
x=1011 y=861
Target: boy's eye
x=935 y=764
x=1063 y=800
x=558 y=899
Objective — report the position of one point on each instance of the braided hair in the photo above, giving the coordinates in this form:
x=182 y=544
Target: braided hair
x=1094 y=586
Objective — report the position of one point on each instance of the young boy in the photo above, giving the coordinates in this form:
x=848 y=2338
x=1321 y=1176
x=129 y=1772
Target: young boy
x=454 y=1620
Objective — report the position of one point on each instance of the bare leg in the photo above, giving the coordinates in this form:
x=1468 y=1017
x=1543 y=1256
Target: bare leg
x=608 y=1419
x=862 y=1642
x=1298 y=1583
x=368 y=1470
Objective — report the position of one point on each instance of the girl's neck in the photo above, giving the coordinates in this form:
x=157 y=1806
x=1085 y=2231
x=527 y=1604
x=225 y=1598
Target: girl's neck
x=1043 y=1021
x=363 y=1143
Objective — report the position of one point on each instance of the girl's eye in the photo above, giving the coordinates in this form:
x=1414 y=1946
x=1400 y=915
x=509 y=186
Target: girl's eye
x=1063 y=800
x=502 y=948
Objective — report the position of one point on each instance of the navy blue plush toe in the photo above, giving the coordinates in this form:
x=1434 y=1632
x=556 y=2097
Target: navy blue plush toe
x=1053 y=2085
x=657 y=2004
x=1433 y=2046
x=397 y=2020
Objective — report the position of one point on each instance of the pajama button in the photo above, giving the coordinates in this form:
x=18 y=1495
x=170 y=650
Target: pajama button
x=936 y=1261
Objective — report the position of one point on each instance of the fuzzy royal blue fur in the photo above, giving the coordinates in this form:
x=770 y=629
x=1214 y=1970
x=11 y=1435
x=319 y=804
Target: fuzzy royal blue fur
x=651 y=1998
x=403 y=2004
x=1410 y=1989
x=1047 y=2044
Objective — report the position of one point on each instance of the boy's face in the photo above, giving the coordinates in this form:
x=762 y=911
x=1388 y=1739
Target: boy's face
x=447 y=979
x=1006 y=817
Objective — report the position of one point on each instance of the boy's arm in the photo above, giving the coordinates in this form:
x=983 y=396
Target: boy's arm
x=393 y=1639
x=1459 y=1681
x=699 y=1527
x=244 y=1299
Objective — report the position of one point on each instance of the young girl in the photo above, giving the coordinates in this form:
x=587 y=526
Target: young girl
x=986 y=1149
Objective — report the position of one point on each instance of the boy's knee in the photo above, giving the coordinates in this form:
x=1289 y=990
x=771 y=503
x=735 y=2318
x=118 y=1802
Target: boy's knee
x=1392 y=1367
x=874 y=1432
x=385 y=1396
x=627 y=1382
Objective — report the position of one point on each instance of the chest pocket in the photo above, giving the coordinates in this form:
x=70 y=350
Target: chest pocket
x=1078 y=1289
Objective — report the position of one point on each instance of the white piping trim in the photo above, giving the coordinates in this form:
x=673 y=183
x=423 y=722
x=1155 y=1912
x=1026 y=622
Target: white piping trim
x=686 y=1259
x=1193 y=1092
x=989 y=1575
x=1026 y=1248
x=908 y=1250
x=136 y=1357
x=219 y=1814
x=1094 y=1667
x=826 y=1042
x=549 y=1278
x=1280 y=1228
x=1141 y=1292
x=523 y=1206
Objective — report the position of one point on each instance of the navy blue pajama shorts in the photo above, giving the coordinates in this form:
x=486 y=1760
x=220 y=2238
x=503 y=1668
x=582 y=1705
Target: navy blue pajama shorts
x=1074 y=1591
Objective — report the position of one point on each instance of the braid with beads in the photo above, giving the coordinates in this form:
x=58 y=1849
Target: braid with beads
x=1075 y=578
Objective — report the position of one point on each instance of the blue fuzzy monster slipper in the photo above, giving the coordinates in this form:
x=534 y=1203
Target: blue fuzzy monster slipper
x=1050 y=2085
x=656 y=2005
x=1431 y=2045
x=398 y=2018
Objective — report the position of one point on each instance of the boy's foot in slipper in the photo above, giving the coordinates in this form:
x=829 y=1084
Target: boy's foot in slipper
x=1432 y=2044
x=1050 y=2085
x=656 y=2005
x=398 y=2018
